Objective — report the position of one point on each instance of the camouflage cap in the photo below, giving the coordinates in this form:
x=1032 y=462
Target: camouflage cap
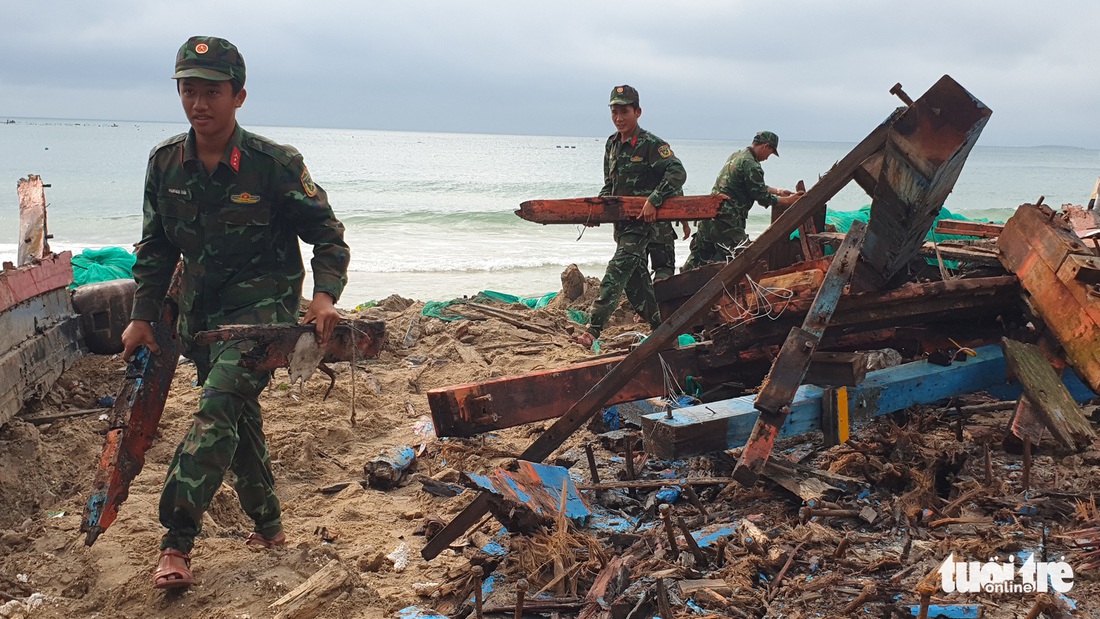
x=209 y=58
x=769 y=138
x=624 y=95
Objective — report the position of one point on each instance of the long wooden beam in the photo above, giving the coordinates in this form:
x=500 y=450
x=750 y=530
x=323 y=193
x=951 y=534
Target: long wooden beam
x=607 y=209
x=794 y=358
x=715 y=426
x=833 y=181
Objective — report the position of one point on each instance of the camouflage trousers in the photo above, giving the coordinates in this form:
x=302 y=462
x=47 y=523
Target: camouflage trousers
x=662 y=251
x=627 y=271
x=226 y=434
x=715 y=240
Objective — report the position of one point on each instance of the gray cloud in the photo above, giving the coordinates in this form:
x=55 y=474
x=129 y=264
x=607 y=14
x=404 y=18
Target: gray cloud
x=724 y=69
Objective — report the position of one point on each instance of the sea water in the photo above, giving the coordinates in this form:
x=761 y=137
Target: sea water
x=430 y=216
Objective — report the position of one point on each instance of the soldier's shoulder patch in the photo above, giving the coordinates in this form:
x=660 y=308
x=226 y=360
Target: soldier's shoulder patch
x=664 y=151
x=307 y=183
x=244 y=198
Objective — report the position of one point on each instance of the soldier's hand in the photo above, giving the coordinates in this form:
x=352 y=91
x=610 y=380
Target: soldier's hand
x=322 y=312
x=138 y=333
x=783 y=193
x=790 y=198
x=649 y=212
x=687 y=229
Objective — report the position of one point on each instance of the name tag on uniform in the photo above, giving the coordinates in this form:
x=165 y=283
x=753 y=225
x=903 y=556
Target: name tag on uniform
x=183 y=193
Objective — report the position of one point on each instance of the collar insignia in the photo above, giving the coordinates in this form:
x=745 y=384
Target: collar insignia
x=235 y=159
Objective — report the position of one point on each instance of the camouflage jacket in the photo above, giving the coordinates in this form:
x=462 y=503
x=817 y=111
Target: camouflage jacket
x=742 y=179
x=237 y=230
x=642 y=166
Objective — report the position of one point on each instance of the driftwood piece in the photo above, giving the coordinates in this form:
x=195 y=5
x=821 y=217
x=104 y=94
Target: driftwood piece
x=294 y=346
x=1050 y=399
x=309 y=598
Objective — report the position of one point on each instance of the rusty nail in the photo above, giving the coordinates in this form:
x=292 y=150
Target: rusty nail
x=693 y=546
x=628 y=444
x=662 y=599
x=925 y=600
x=521 y=592
x=720 y=547
x=694 y=499
x=487 y=397
x=666 y=517
x=988 y=464
x=842 y=546
x=1027 y=465
x=868 y=591
x=479 y=573
x=896 y=90
x=592 y=471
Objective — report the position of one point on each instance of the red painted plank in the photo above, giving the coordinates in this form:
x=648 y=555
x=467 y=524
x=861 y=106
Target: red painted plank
x=617 y=208
x=26 y=282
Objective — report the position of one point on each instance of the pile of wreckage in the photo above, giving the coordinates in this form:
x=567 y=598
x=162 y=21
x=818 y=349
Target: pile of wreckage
x=790 y=463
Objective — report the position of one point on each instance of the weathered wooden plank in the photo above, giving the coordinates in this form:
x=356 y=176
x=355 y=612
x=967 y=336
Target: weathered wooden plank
x=30 y=369
x=836 y=369
x=794 y=358
x=955 y=301
x=22 y=321
x=970 y=255
x=1050 y=398
x=721 y=425
x=308 y=599
x=607 y=209
x=1037 y=246
x=969 y=228
x=32 y=220
x=26 y=282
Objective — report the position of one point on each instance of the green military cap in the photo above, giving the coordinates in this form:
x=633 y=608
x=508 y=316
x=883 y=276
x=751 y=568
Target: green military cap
x=624 y=95
x=769 y=138
x=209 y=58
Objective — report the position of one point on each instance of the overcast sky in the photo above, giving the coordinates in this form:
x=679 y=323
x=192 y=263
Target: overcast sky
x=808 y=70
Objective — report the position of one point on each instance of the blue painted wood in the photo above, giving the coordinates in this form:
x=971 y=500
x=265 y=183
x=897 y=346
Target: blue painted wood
x=883 y=391
x=950 y=611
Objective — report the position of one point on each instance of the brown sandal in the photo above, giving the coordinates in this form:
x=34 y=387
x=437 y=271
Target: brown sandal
x=173 y=570
x=259 y=541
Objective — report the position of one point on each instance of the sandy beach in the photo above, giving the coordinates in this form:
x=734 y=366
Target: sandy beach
x=46 y=474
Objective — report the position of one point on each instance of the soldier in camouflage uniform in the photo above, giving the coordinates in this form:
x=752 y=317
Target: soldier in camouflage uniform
x=742 y=179
x=233 y=205
x=636 y=163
